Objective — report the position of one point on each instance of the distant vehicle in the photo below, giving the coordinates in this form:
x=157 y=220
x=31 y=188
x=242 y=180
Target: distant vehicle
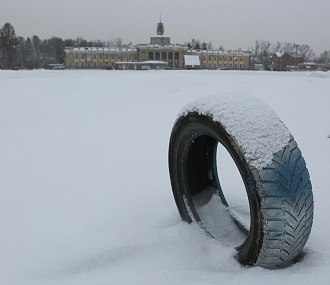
x=56 y=66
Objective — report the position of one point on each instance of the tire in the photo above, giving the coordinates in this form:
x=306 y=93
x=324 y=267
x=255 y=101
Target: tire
x=279 y=190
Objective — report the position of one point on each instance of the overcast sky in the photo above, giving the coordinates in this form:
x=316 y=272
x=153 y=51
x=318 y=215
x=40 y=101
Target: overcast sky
x=232 y=23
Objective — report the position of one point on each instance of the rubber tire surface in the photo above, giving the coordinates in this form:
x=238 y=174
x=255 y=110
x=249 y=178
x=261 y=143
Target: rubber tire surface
x=280 y=195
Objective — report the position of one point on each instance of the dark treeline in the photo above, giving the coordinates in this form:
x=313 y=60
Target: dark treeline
x=16 y=51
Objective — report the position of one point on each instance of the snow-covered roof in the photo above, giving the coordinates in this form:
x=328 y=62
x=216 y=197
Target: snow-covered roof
x=241 y=53
x=142 y=62
x=159 y=36
x=154 y=62
x=294 y=54
x=101 y=49
x=192 y=60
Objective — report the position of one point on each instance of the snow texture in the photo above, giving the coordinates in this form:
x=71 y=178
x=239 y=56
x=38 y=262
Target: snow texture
x=254 y=126
x=85 y=194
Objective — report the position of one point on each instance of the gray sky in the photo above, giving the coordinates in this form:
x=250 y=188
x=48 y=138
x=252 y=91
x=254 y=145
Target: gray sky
x=232 y=23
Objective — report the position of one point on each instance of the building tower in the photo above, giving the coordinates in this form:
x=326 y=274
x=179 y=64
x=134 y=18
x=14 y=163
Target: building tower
x=160 y=28
x=160 y=39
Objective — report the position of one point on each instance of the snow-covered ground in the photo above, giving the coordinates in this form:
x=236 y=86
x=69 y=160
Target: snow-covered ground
x=84 y=184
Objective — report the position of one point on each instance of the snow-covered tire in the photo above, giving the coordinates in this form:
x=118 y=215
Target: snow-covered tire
x=271 y=165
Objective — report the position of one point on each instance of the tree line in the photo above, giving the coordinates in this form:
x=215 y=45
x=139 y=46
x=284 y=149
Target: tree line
x=32 y=52
x=262 y=51
x=16 y=51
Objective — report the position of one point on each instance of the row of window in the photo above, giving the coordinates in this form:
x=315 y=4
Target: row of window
x=224 y=59
x=156 y=56
x=151 y=56
x=94 y=64
x=230 y=66
x=107 y=57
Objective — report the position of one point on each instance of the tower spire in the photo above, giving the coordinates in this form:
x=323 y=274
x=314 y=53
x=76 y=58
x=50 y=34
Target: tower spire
x=160 y=27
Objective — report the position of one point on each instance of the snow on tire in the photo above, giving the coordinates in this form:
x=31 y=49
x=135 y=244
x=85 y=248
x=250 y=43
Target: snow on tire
x=270 y=164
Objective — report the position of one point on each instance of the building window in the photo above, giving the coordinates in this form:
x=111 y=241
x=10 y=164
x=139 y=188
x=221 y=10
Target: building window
x=100 y=56
x=100 y=64
x=241 y=59
x=82 y=56
x=225 y=58
x=230 y=65
x=112 y=57
x=209 y=65
x=241 y=66
x=82 y=64
x=106 y=57
x=215 y=66
x=94 y=56
x=220 y=58
x=209 y=58
x=94 y=64
x=231 y=59
x=76 y=56
x=215 y=58
x=76 y=64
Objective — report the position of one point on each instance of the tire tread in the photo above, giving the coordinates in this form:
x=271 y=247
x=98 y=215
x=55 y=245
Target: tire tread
x=288 y=177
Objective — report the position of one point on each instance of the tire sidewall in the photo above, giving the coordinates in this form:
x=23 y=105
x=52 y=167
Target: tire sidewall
x=185 y=131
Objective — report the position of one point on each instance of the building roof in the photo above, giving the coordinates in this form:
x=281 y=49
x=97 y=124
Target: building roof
x=100 y=49
x=294 y=54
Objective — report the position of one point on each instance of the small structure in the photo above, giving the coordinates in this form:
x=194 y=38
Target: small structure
x=313 y=66
x=192 y=62
x=56 y=66
x=258 y=66
x=286 y=60
x=143 y=65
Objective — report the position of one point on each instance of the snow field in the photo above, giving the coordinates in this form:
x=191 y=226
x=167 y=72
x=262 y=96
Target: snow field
x=84 y=184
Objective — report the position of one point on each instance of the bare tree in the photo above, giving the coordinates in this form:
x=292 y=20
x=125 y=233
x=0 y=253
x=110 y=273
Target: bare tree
x=324 y=57
x=306 y=52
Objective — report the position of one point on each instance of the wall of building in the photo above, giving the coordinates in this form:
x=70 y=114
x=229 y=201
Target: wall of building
x=159 y=49
x=98 y=58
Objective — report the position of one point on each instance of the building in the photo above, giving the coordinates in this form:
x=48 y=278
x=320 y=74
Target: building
x=160 y=48
x=286 y=61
